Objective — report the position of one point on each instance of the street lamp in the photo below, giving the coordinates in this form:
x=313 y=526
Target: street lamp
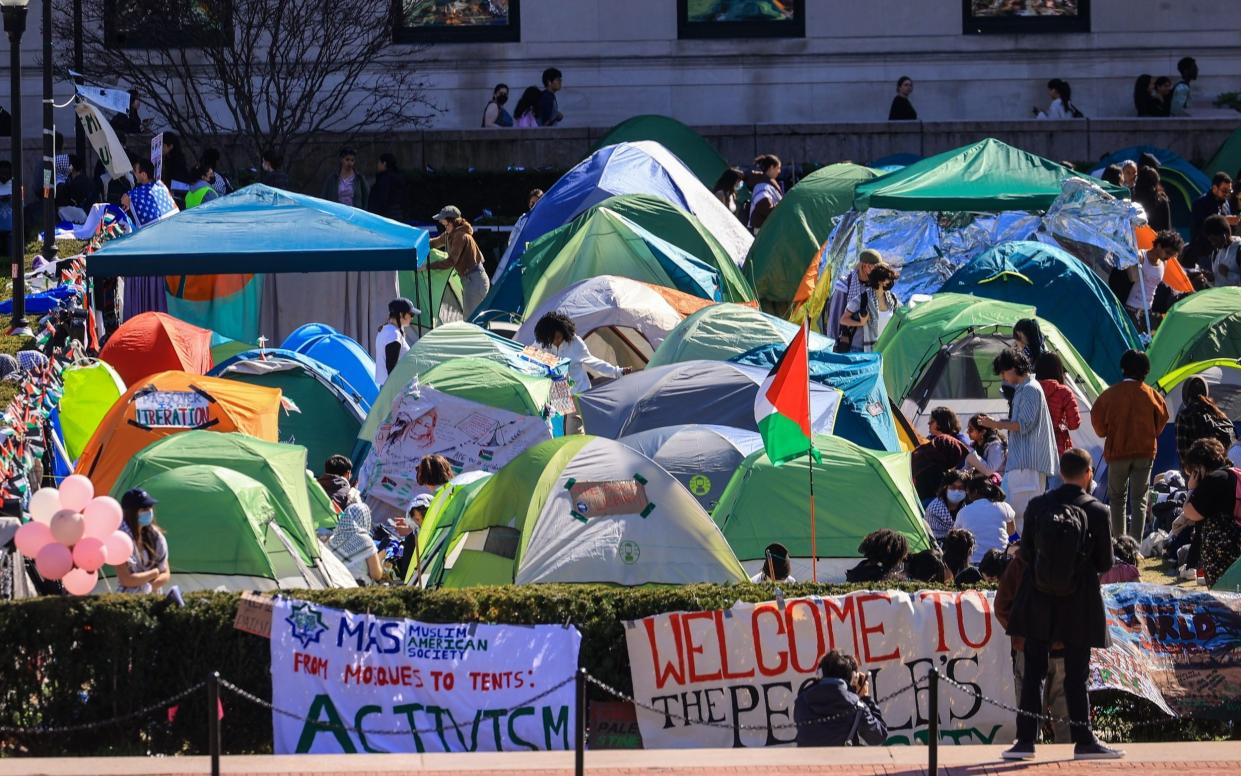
x=14 y=12
x=49 y=142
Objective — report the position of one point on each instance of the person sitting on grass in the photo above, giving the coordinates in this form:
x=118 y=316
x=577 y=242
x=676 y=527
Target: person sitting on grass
x=883 y=553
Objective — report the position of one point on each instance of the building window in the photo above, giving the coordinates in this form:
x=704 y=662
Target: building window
x=741 y=19
x=167 y=24
x=1018 y=16
x=456 y=21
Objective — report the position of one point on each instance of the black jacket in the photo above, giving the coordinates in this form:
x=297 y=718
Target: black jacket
x=831 y=698
x=388 y=195
x=1077 y=620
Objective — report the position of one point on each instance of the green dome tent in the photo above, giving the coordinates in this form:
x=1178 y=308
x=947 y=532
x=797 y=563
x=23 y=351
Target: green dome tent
x=1202 y=326
x=584 y=509
x=490 y=383
x=604 y=242
x=862 y=491
x=90 y=390
x=301 y=505
x=722 y=331
x=690 y=147
x=1063 y=289
x=790 y=238
x=1228 y=157
x=438 y=524
x=223 y=528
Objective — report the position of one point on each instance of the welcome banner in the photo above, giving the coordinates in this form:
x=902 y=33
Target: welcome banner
x=372 y=684
x=710 y=675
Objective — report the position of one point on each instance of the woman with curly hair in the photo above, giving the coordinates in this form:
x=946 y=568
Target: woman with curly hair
x=883 y=553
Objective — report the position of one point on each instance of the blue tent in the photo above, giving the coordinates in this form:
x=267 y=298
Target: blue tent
x=328 y=410
x=643 y=167
x=306 y=332
x=264 y=230
x=1063 y=290
x=1169 y=159
x=355 y=365
x=865 y=417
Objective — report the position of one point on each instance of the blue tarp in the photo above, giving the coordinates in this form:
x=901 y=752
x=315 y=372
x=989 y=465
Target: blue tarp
x=260 y=229
x=865 y=418
x=625 y=168
x=1063 y=290
x=41 y=303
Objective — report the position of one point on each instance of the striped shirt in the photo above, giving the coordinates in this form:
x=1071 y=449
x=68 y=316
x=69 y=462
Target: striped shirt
x=1033 y=445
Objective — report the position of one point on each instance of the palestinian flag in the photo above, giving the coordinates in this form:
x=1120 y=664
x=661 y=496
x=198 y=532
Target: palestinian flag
x=782 y=406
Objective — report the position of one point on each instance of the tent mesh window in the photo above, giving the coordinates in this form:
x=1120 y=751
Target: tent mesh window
x=962 y=370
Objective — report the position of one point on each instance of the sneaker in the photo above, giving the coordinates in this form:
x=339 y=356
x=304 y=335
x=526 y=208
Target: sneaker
x=1019 y=751
x=1096 y=751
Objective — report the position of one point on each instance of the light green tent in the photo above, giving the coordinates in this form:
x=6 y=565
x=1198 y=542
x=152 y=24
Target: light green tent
x=791 y=236
x=985 y=177
x=490 y=383
x=690 y=147
x=223 y=530
x=723 y=331
x=1228 y=157
x=443 y=289
x=652 y=247
x=584 y=509
x=857 y=491
x=279 y=468
x=441 y=345
x=90 y=390
x=1202 y=326
x=439 y=523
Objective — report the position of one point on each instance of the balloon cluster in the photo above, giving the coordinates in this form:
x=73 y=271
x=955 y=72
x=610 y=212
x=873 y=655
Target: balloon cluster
x=73 y=534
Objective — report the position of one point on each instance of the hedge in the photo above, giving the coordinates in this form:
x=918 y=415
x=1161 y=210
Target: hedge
x=70 y=661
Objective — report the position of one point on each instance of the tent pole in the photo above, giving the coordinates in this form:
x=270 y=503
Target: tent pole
x=814 y=550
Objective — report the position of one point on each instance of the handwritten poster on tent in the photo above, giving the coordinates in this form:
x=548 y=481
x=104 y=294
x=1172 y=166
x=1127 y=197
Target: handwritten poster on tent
x=1179 y=649
x=172 y=409
x=422 y=422
x=408 y=686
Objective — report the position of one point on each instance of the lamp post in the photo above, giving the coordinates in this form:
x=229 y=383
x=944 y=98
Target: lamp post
x=14 y=12
x=79 y=134
x=49 y=142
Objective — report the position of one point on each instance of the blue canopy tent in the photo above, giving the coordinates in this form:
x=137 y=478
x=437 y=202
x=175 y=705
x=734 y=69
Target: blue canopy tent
x=317 y=260
x=642 y=167
x=1064 y=291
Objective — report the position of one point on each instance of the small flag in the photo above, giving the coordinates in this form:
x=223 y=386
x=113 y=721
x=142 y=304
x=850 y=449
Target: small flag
x=782 y=406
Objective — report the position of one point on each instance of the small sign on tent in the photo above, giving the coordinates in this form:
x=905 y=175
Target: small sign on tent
x=172 y=409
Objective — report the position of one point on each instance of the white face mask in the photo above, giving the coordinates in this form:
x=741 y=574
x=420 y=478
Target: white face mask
x=955 y=496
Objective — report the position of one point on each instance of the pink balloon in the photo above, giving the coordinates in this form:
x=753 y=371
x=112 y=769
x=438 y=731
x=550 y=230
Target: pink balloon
x=103 y=516
x=53 y=561
x=67 y=527
x=118 y=548
x=32 y=537
x=76 y=492
x=88 y=553
x=80 y=582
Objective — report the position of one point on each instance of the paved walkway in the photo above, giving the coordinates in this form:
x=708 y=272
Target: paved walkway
x=1207 y=759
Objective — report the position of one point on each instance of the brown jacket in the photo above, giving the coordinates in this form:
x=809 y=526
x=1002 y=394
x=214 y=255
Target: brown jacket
x=1129 y=416
x=463 y=253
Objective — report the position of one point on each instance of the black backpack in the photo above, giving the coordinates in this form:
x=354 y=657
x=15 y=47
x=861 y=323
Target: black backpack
x=1060 y=548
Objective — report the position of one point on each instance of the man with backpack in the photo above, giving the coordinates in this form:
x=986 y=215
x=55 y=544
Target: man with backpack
x=1065 y=544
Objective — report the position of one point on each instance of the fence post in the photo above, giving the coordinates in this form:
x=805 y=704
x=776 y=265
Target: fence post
x=213 y=720
x=932 y=765
x=579 y=733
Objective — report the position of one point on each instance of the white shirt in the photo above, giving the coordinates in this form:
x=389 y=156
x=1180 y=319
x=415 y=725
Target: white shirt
x=759 y=579
x=988 y=521
x=387 y=335
x=1057 y=110
x=1143 y=292
x=1224 y=264
x=582 y=364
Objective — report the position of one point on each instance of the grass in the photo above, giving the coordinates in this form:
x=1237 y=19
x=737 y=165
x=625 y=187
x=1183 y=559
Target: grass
x=1160 y=572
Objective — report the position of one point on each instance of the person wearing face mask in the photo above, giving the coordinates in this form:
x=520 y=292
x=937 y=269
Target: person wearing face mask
x=725 y=189
x=147 y=570
x=941 y=513
x=494 y=115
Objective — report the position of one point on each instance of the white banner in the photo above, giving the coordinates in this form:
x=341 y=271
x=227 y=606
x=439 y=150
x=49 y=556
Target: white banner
x=115 y=100
x=407 y=686
x=172 y=409
x=157 y=155
x=423 y=421
x=103 y=139
x=745 y=665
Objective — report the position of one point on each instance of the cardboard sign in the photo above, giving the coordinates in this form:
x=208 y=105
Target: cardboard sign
x=172 y=409
x=254 y=614
x=157 y=155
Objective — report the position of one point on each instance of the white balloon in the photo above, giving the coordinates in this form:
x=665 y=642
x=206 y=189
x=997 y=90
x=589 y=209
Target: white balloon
x=44 y=503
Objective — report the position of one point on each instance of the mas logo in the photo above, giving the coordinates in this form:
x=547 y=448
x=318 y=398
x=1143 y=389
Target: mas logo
x=700 y=484
x=306 y=624
x=628 y=551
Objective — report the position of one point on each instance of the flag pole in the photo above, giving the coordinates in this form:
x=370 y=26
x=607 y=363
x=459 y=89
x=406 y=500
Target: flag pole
x=814 y=550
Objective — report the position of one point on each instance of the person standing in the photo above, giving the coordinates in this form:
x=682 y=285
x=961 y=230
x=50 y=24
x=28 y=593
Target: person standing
x=902 y=109
x=464 y=256
x=1162 y=104
x=388 y=194
x=525 y=113
x=1148 y=192
x=1062 y=106
x=1212 y=203
x=1129 y=416
x=1179 y=104
x=201 y=190
x=494 y=115
x=1065 y=545
x=1144 y=99
x=345 y=185
x=1225 y=251
x=1031 y=439
x=272 y=175
x=1146 y=277
x=725 y=189
x=1061 y=403
x=548 y=111
x=768 y=193
x=556 y=333
x=390 y=342
x=846 y=291
x=873 y=308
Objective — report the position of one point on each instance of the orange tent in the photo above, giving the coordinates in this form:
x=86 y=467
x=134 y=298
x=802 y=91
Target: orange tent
x=170 y=402
x=156 y=342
